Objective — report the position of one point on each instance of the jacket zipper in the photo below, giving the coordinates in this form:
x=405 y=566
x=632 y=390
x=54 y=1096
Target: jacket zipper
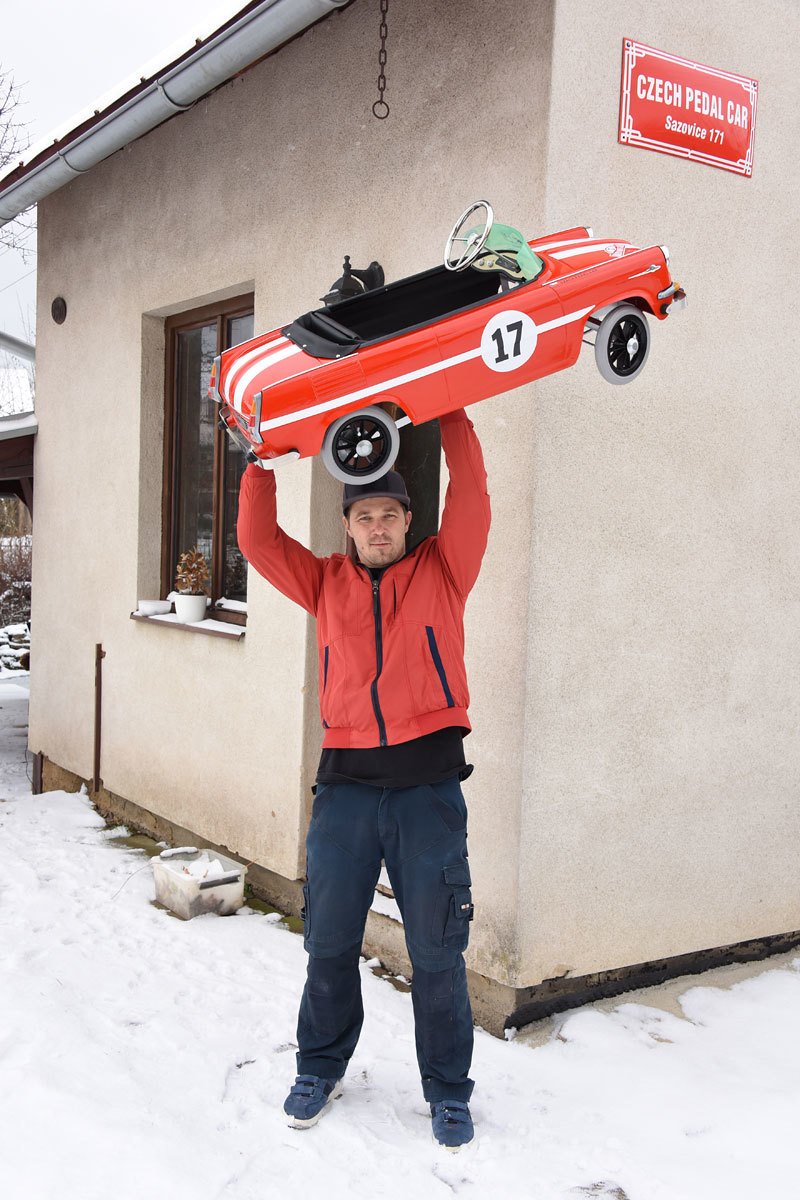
x=439 y=665
x=376 y=613
x=325 y=682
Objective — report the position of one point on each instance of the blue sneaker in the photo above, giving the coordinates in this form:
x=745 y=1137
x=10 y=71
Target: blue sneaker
x=309 y=1097
x=452 y=1123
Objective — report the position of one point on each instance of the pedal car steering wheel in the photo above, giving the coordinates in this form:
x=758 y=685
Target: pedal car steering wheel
x=470 y=231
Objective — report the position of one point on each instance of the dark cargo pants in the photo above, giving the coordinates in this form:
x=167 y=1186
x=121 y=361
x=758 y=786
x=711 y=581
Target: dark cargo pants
x=421 y=835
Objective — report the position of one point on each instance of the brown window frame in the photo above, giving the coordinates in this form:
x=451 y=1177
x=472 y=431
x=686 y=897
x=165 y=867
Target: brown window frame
x=222 y=312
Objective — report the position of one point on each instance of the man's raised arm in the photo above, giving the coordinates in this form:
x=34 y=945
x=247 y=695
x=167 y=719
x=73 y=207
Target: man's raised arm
x=288 y=566
x=464 y=528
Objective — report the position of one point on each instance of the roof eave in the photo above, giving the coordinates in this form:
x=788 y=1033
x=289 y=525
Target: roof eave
x=263 y=27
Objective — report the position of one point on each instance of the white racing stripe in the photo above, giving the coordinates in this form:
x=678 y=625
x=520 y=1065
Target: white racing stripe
x=269 y=359
x=590 y=249
x=276 y=422
x=267 y=348
x=565 y=242
x=399 y=380
x=566 y=320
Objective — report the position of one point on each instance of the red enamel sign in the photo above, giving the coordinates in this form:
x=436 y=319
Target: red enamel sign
x=680 y=107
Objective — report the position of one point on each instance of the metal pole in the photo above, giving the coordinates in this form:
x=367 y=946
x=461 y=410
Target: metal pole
x=99 y=655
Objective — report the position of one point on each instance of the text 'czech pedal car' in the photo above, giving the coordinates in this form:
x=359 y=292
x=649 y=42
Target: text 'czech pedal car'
x=498 y=313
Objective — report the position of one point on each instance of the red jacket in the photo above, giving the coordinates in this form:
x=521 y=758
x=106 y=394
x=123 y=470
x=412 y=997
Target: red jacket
x=391 y=656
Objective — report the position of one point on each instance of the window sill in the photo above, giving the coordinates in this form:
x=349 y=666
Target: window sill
x=209 y=626
x=232 y=612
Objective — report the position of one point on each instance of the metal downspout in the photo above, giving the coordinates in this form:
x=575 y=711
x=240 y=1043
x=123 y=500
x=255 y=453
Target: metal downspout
x=99 y=655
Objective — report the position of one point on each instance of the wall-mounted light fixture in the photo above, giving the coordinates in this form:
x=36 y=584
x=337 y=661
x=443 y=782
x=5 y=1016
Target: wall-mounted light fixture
x=58 y=310
x=354 y=282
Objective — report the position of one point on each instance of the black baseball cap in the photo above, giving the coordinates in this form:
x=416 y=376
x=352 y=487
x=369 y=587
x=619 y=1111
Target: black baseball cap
x=390 y=485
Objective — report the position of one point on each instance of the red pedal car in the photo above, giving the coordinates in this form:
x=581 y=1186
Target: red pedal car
x=498 y=313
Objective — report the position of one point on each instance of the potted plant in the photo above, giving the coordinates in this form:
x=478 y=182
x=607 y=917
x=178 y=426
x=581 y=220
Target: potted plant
x=190 y=582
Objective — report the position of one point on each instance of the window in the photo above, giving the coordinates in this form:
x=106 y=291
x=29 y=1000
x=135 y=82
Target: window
x=419 y=462
x=202 y=466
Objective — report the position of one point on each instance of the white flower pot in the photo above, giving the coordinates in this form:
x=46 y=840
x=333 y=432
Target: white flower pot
x=189 y=609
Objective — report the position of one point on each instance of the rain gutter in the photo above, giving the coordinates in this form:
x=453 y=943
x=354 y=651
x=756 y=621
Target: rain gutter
x=17 y=347
x=18 y=425
x=261 y=29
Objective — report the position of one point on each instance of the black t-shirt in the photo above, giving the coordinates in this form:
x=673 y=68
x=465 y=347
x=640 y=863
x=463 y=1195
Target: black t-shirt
x=429 y=759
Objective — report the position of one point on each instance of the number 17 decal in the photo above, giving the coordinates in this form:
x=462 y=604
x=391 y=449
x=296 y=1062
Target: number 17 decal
x=508 y=340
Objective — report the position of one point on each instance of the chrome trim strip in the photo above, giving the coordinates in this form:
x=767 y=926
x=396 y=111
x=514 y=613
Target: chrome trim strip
x=269 y=463
x=217 y=393
x=255 y=431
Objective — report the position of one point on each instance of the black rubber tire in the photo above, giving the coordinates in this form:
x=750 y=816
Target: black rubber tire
x=339 y=453
x=615 y=360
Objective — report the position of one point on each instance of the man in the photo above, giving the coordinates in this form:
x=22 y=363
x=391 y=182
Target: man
x=393 y=699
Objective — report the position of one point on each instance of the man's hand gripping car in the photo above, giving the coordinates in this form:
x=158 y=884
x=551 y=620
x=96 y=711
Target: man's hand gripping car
x=498 y=313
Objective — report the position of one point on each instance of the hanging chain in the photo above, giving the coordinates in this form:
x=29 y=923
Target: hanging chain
x=380 y=108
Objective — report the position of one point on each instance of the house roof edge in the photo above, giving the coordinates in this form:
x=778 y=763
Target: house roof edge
x=250 y=33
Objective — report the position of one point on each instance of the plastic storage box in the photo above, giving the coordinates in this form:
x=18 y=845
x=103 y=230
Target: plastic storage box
x=185 y=888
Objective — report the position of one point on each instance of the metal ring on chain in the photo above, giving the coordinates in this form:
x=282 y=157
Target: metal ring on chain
x=380 y=108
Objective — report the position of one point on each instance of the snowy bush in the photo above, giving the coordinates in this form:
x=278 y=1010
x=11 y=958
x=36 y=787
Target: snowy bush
x=15 y=579
x=15 y=519
x=15 y=648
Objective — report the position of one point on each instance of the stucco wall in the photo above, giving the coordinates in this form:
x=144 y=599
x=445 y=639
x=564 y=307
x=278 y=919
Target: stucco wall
x=631 y=640
x=660 y=810
x=266 y=184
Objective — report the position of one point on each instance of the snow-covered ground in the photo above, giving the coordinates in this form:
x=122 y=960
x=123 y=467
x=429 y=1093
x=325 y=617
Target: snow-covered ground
x=146 y=1058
